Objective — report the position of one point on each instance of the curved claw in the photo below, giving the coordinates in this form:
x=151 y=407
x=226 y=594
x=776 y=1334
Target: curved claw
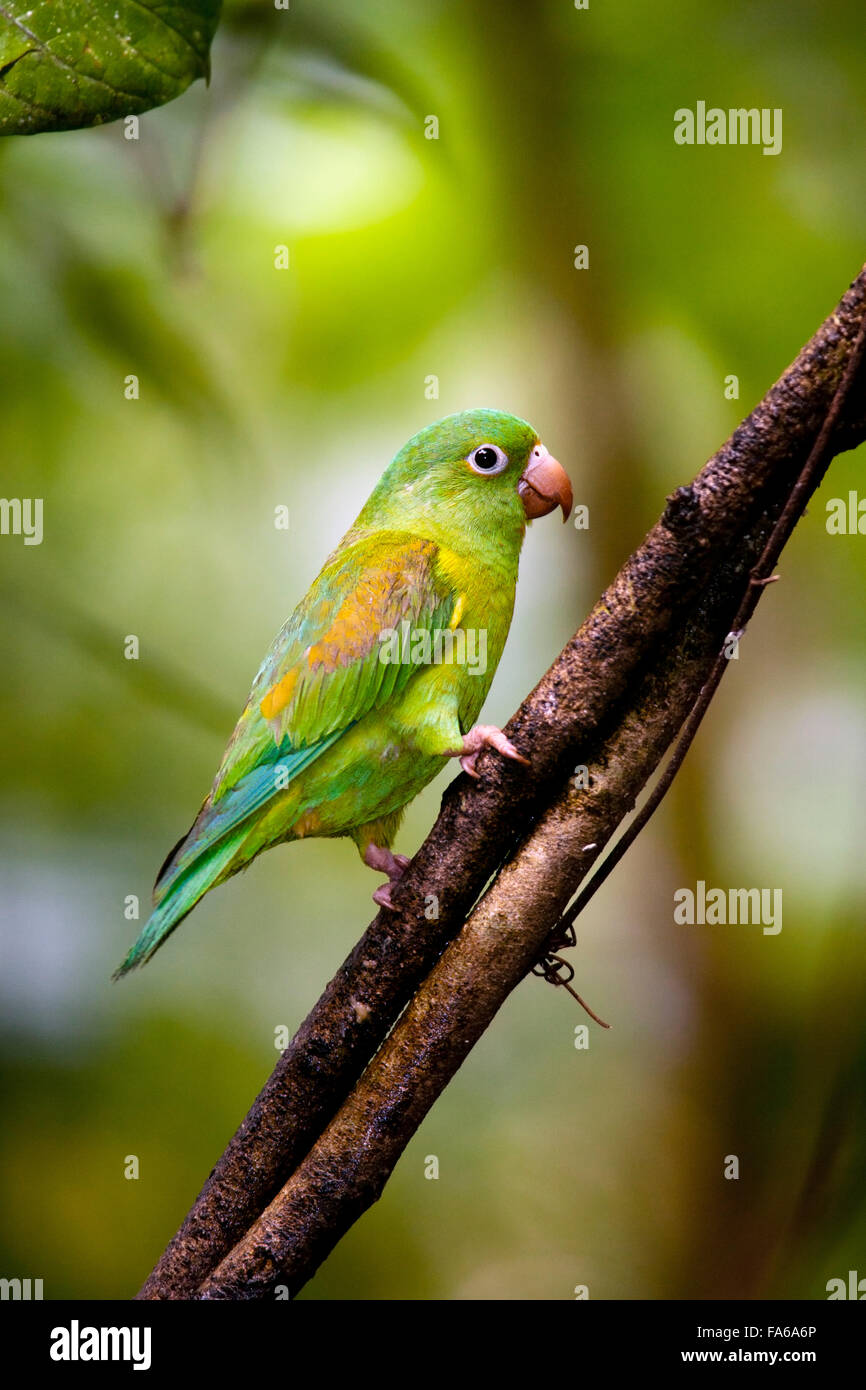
x=382 y=897
x=394 y=865
x=486 y=736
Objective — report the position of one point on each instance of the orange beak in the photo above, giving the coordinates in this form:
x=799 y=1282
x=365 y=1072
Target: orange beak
x=544 y=485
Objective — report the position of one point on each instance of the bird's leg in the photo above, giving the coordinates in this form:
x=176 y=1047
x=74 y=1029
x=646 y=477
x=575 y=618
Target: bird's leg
x=384 y=862
x=484 y=736
x=436 y=733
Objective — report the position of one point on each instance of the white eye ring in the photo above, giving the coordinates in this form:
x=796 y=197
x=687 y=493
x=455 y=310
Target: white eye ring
x=481 y=462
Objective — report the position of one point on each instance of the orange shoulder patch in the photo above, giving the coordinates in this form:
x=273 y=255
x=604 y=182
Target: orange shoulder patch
x=383 y=595
x=279 y=695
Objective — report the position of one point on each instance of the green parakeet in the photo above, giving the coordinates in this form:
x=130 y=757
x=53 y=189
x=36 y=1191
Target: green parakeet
x=381 y=671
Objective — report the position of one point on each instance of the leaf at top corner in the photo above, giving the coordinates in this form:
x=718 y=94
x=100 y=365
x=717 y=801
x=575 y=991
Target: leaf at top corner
x=71 y=63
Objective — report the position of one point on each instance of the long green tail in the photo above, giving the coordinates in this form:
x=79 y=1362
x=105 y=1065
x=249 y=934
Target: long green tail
x=220 y=828
x=181 y=899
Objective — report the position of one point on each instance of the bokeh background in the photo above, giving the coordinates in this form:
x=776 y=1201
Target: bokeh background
x=413 y=258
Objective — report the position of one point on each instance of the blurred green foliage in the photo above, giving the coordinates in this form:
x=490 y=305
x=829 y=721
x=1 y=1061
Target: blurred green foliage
x=412 y=258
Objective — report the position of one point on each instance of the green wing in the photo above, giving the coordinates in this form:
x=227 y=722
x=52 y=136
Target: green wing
x=322 y=674
x=324 y=670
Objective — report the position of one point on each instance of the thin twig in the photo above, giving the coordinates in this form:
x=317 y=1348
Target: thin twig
x=759 y=578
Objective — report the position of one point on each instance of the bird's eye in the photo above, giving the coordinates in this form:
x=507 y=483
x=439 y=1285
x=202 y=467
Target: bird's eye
x=487 y=458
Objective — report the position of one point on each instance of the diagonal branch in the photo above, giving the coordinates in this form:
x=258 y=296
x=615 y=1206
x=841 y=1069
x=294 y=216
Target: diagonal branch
x=615 y=697
x=347 y=1168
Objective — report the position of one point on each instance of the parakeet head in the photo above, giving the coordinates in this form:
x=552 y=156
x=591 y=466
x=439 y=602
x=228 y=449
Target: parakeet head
x=479 y=475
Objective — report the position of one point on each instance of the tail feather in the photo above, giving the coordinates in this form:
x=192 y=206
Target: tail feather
x=201 y=857
x=181 y=899
x=218 y=819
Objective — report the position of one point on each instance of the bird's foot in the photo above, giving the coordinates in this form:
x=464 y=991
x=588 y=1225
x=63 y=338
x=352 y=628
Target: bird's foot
x=485 y=736
x=384 y=862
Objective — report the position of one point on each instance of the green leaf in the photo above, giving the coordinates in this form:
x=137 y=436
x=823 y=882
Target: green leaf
x=71 y=63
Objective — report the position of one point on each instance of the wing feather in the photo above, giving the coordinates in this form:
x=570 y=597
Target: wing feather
x=324 y=671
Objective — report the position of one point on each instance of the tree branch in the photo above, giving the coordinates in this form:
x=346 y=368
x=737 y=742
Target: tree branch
x=614 y=698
